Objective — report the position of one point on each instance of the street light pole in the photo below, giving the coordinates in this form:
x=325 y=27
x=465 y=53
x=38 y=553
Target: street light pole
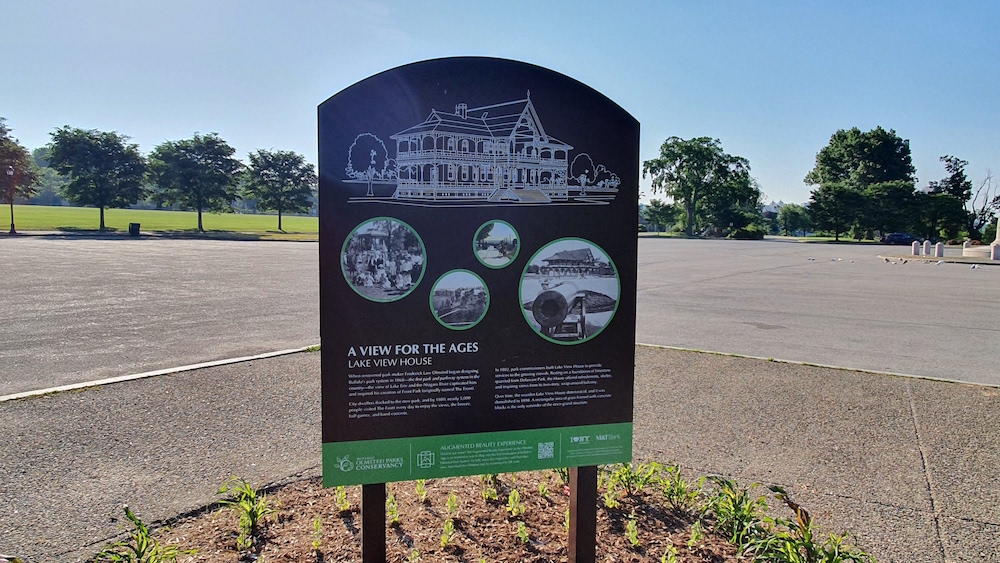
x=10 y=180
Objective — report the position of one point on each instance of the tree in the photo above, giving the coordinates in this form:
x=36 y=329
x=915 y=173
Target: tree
x=50 y=183
x=104 y=169
x=199 y=173
x=865 y=181
x=937 y=215
x=886 y=206
x=863 y=158
x=659 y=213
x=983 y=206
x=834 y=207
x=18 y=173
x=793 y=217
x=735 y=203
x=280 y=181
x=689 y=170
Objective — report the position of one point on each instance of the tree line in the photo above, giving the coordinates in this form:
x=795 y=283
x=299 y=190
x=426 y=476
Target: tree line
x=864 y=184
x=103 y=169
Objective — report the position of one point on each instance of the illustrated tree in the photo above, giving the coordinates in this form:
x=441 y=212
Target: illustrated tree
x=368 y=160
x=280 y=181
x=689 y=170
x=199 y=173
x=834 y=206
x=18 y=173
x=660 y=213
x=793 y=217
x=103 y=168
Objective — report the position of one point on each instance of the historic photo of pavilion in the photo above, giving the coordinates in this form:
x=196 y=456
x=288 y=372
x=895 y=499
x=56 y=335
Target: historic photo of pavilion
x=569 y=291
x=493 y=154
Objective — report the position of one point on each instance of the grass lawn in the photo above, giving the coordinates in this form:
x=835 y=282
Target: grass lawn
x=47 y=218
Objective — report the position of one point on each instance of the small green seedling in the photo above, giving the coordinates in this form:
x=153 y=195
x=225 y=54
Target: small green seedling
x=632 y=531
x=670 y=555
x=514 y=505
x=340 y=498
x=566 y=520
x=140 y=547
x=252 y=508
x=543 y=490
x=317 y=534
x=391 y=510
x=697 y=535
x=522 y=532
x=610 y=498
x=447 y=532
x=452 y=505
x=413 y=557
x=421 y=490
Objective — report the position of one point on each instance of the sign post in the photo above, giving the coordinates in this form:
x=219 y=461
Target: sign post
x=477 y=278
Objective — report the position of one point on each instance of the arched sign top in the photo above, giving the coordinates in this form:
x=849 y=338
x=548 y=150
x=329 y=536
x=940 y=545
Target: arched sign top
x=477 y=272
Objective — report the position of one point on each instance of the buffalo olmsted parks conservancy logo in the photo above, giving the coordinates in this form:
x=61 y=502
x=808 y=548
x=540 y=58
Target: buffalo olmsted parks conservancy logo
x=368 y=463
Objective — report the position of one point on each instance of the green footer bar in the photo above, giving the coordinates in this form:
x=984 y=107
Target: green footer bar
x=406 y=459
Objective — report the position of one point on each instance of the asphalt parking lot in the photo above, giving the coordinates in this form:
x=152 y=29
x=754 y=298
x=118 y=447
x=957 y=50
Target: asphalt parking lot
x=837 y=305
x=78 y=309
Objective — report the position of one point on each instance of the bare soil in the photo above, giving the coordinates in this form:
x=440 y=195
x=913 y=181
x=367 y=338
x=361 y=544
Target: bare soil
x=483 y=529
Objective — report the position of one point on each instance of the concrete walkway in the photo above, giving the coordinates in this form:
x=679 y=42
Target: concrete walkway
x=911 y=466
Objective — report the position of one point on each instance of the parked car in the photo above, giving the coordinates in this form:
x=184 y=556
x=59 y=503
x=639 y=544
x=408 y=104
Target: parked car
x=900 y=238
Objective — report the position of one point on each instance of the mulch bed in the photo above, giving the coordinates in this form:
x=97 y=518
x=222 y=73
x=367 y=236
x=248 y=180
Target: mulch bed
x=483 y=529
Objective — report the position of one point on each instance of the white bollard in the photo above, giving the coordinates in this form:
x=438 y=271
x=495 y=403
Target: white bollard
x=939 y=250
x=995 y=252
x=927 y=248
x=965 y=245
x=916 y=248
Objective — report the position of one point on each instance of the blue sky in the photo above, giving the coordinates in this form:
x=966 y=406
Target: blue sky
x=771 y=79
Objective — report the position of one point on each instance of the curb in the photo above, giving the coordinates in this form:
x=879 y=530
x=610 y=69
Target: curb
x=143 y=375
x=825 y=366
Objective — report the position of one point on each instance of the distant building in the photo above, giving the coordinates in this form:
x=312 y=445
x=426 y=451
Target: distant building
x=495 y=153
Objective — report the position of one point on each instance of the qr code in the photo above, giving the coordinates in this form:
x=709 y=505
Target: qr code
x=546 y=450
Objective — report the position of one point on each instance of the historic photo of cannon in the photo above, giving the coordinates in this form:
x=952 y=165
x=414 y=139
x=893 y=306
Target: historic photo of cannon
x=459 y=299
x=569 y=291
x=496 y=244
x=383 y=259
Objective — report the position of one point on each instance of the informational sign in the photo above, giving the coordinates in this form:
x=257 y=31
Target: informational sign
x=477 y=273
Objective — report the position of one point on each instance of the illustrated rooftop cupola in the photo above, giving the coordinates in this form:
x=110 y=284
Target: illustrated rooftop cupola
x=462 y=110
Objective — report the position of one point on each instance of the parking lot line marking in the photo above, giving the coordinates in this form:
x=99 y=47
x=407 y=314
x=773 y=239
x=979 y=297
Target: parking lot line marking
x=826 y=366
x=155 y=373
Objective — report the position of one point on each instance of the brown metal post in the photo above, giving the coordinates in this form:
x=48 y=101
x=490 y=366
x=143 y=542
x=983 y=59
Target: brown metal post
x=373 y=523
x=583 y=514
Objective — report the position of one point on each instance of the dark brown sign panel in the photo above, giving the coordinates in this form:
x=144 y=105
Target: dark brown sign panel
x=477 y=272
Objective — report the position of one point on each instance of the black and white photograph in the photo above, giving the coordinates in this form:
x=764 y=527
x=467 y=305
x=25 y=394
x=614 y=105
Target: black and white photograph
x=460 y=299
x=383 y=259
x=569 y=291
x=496 y=244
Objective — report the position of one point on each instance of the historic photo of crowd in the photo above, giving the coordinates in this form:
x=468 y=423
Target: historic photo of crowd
x=569 y=291
x=383 y=259
x=460 y=299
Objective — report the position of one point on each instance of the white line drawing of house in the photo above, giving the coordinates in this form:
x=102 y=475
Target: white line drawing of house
x=493 y=154
x=496 y=153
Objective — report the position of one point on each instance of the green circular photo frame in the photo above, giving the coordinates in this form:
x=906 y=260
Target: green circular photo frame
x=567 y=283
x=496 y=254
x=457 y=306
x=377 y=265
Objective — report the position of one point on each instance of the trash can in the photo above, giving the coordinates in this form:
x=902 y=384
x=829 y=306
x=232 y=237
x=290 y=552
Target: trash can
x=133 y=229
